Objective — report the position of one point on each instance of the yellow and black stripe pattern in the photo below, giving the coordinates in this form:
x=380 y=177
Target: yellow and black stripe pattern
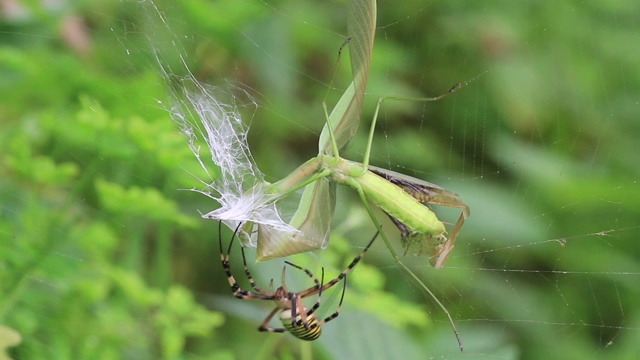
x=309 y=332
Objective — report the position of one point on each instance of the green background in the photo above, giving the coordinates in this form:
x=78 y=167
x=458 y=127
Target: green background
x=102 y=256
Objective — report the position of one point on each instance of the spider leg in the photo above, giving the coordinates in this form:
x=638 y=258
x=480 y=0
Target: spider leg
x=337 y=312
x=224 y=259
x=306 y=271
x=297 y=308
x=263 y=327
x=283 y=281
x=315 y=306
x=235 y=288
x=344 y=272
x=249 y=276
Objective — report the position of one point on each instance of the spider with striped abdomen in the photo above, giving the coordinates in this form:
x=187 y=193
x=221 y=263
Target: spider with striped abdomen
x=299 y=320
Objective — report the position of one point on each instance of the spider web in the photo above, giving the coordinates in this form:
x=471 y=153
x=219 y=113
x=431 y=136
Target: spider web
x=539 y=142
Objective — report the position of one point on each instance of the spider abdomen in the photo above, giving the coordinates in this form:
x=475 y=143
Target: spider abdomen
x=310 y=332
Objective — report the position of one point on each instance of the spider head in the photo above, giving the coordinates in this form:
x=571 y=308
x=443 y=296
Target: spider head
x=282 y=298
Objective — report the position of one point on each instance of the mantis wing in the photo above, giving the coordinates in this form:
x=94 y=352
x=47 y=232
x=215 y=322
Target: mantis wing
x=311 y=221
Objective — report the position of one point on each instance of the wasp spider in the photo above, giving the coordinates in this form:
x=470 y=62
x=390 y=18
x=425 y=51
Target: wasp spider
x=297 y=319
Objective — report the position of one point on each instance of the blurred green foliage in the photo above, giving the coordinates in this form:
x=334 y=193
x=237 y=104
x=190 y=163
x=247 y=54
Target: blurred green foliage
x=103 y=256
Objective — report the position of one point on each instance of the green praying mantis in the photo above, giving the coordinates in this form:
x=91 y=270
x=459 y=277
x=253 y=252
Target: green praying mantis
x=404 y=199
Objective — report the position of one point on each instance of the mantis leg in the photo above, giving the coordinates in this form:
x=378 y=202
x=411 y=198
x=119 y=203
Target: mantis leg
x=367 y=152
